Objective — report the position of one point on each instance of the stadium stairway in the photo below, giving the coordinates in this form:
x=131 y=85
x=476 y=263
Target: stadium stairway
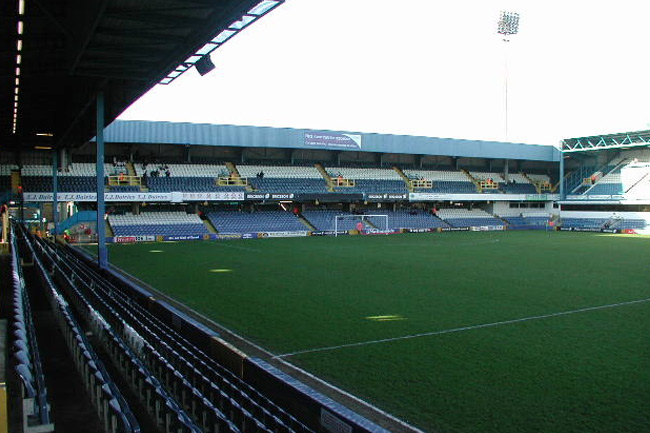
x=472 y=179
x=16 y=180
x=109 y=229
x=327 y=177
x=532 y=181
x=208 y=225
x=645 y=176
x=306 y=223
x=232 y=168
x=130 y=170
x=407 y=181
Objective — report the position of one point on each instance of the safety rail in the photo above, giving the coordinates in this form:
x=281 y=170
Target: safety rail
x=421 y=183
x=232 y=181
x=36 y=410
x=124 y=180
x=488 y=184
x=111 y=407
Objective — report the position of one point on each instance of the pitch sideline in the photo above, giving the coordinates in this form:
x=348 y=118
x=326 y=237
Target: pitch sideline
x=463 y=328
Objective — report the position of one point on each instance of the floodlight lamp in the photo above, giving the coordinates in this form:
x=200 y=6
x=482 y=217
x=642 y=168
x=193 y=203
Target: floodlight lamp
x=508 y=24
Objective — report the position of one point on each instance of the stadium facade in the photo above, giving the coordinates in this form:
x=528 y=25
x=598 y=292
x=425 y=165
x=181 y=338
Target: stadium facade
x=210 y=170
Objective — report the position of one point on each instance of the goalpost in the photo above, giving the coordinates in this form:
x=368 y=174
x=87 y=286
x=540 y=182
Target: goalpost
x=337 y=218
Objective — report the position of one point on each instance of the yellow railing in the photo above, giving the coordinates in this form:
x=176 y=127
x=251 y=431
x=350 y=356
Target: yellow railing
x=343 y=182
x=124 y=180
x=421 y=183
x=487 y=184
x=232 y=181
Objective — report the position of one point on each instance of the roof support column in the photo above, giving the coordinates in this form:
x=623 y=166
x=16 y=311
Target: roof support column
x=55 y=190
x=102 y=253
x=562 y=180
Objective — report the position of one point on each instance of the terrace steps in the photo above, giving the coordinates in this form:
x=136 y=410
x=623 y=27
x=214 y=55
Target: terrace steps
x=472 y=179
x=109 y=229
x=208 y=225
x=130 y=169
x=16 y=180
x=327 y=177
x=407 y=181
x=232 y=168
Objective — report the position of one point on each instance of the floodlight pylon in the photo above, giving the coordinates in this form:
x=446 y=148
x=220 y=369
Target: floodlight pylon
x=507 y=26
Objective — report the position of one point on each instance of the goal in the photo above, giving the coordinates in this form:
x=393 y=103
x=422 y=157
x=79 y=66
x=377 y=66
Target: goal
x=362 y=218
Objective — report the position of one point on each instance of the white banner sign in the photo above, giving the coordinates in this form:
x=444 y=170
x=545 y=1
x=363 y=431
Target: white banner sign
x=417 y=196
x=136 y=196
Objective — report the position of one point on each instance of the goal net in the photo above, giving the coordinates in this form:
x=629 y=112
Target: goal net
x=378 y=221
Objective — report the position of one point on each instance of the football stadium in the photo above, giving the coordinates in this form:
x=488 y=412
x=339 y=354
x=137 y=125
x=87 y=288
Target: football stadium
x=188 y=277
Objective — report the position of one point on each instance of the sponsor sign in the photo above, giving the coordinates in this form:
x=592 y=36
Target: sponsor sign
x=228 y=236
x=588 y=229
x=379 y=232
x=270 y=196
x=333 y=140
x=136 y=196
x=328 y=233
x=453 y=229
x=213 y=196
x=387 y=196
x=249 y=236
x=124 y=239
x=131 y=239
x=418 y=230
x=486 y=228
x=283 y=234
x=182 y=238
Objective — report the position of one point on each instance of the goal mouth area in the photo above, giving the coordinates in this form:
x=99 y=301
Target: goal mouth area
x=363 y=218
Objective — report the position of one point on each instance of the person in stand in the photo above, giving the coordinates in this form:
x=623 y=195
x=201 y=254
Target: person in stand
x=359 y=226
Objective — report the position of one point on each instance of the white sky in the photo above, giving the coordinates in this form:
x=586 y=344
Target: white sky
x=426 y=67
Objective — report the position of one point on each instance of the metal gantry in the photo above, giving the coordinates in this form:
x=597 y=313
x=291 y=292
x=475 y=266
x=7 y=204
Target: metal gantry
x=609 y=141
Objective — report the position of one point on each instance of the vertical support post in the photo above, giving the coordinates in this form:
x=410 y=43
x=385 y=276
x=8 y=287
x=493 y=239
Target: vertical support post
x=562 y=192
x=55 y=191
x=101 y=206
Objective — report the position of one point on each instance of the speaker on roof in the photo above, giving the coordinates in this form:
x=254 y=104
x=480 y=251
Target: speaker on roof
x=204 y=65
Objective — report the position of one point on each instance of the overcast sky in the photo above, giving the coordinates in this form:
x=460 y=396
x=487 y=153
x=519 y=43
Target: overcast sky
x=426 y=67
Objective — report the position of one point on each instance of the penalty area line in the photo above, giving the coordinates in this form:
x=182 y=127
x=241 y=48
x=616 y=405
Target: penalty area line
x=462 y=329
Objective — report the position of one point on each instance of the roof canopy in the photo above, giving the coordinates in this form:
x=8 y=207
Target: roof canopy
x=55 y=55
x=200 y=134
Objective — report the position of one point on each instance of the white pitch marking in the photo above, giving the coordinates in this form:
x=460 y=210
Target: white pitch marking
x=461 y=329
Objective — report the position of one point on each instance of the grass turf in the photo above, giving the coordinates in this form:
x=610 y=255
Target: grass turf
x=588 y=371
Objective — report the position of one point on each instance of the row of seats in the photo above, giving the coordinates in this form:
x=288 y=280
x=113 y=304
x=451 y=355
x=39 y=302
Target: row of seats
x=281 y=179
x=157 y=224
x=112 y=408
x=199 y=386
x=244 y=222
x=605 y=223
x=36 y=410
x=229 y=221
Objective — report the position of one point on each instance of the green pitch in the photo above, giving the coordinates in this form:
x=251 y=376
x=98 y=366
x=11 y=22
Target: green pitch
x=341 y=307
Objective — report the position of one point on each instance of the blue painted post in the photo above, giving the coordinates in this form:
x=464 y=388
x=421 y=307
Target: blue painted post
x=101 y=206
x=562 y=192
x=55 y=190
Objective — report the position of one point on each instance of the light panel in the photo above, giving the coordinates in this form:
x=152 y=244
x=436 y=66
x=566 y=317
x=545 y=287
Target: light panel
x=258 y=11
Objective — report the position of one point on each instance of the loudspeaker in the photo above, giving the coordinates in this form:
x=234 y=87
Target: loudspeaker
x=204 y=65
